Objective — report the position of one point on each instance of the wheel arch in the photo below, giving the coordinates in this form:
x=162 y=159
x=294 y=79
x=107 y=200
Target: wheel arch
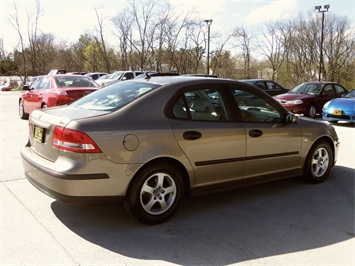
x=329 y=141
x=180 y=167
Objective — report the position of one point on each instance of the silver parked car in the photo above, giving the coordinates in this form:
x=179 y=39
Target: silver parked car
x=148 y=142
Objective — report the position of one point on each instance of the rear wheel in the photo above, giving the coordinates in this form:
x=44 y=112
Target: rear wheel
x=311 y=111
x=155 y=194
x=319 y=162
x=21 y=110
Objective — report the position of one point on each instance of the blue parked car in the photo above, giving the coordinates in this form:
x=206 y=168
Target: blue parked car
x=340 y=109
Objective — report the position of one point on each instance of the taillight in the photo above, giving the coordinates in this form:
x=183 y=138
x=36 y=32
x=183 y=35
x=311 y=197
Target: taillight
x=63 y=98
x=29 y=128
x=72 y=140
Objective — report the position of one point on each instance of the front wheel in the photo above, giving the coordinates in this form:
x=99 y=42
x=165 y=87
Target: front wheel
x=311 y=111
x=155 y=194
x=319 y=162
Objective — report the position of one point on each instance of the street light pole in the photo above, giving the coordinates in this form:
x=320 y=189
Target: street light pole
x=320 y=10
x=209 y=22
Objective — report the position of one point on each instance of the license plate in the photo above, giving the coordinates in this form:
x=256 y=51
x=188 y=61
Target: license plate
x=38 y=134
x=337 y=112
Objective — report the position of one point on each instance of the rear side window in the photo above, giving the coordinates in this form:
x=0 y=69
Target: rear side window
x=201 y=105
x=328 y=89
x=43 y=84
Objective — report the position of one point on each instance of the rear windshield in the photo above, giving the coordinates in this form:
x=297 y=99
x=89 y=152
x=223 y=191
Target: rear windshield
x=115 y=96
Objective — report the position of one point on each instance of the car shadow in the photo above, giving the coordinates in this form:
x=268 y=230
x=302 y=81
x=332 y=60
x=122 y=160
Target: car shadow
x=339 y=124
x=225 y=228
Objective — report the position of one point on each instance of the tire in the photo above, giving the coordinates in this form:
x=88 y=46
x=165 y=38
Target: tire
x=318 y=163
x=155 y=194
x=311 y=111
x=21 y=111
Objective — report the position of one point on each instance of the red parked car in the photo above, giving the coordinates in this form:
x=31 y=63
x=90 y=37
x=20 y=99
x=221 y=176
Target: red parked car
x=54 y=90
x=308 y=98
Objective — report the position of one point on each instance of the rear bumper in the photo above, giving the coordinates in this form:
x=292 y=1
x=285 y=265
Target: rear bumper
x=85 y=200
x=107 y=185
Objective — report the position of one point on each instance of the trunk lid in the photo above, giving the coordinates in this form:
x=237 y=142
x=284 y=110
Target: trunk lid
x=43 y=122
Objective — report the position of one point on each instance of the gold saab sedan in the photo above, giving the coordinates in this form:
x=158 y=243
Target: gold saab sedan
x=148 y=142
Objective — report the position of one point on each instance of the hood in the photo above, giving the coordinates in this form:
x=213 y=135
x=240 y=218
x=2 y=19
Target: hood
x=293 y=96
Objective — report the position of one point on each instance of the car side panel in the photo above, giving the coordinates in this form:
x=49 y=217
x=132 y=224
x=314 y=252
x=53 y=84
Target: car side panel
x=280 y=142
x=218 y=155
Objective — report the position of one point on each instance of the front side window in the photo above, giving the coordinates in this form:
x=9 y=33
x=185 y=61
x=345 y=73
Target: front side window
x=272 y=86
x=254 y=108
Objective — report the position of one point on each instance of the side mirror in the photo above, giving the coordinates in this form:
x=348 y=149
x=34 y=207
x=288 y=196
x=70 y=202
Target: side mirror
x=291 y=118
x=27 y=87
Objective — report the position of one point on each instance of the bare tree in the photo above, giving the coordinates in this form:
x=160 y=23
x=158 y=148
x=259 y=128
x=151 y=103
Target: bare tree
x=122 y=23
x=244 y=43
x=32 y=33
x=271 y=46
x=143 y=13
x=339 y=46
x=15 y=22
x=101 y=44
x=46 y=52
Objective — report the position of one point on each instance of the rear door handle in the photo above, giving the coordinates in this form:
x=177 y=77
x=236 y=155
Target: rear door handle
x=192 y=135
x=254 y=133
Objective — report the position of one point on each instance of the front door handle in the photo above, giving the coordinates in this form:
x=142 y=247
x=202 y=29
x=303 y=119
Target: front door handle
x=254 y=133
x=192 y=135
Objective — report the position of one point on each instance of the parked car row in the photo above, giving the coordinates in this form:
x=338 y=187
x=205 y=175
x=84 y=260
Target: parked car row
x=117 y=76
x=305 y=99
x=309 y=98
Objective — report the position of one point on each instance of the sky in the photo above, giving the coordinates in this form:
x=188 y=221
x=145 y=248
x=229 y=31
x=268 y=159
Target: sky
x=68 y=19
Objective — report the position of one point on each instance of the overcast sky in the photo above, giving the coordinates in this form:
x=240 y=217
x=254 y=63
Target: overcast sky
x=68 y=19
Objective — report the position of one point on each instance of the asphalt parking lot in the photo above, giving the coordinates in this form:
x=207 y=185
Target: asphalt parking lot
x=287 y=222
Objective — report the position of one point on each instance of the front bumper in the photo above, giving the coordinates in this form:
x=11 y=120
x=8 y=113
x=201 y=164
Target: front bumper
x=344 y=117
x=296 y=109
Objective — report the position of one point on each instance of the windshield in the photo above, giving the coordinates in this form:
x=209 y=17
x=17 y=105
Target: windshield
x=116 y=75
x=350 y=94
x=115 y=96
x=307 y=88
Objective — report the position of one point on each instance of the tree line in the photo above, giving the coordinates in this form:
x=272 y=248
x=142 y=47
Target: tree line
x=151 y=35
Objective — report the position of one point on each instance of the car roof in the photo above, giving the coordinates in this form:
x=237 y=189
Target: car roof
x=70 y=75
x=163 y=80
x=320 y=82
x=255 y=80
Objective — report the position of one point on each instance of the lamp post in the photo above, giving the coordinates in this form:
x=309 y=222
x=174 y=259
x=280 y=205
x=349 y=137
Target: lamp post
x=209 y=22
x=320 y=10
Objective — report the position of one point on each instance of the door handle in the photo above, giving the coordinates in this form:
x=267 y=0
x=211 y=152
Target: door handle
x=254 y=133
x=192 y=135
